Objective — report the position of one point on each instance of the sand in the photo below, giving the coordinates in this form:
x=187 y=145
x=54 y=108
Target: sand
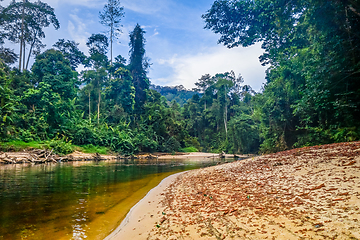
x=201 y=155
x=30 y=156
x=142 y=214
x=307 y=193
x=194 y=155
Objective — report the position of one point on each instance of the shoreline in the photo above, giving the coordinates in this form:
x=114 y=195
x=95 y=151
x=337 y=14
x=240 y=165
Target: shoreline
x=37 y=156
x=128 y=228
x=306 y=193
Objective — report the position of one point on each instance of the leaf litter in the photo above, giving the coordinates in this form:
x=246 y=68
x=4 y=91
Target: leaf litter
x=306 y=193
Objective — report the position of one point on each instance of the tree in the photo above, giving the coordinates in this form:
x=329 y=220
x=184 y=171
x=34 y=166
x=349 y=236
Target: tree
x=312 y=91
x=23 y=22
x=51 y=67
x=7 y=55
x=95 y=80
x=98 y=43
x=205 y=86
x=7 y=102
x=120 y=95
x=223 y=85
x=138 y=65
x=111 y=17
x=49 y=100
x=98 y=46
x=71 y=52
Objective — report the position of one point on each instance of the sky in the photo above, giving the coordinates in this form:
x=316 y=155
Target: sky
x=179 y=48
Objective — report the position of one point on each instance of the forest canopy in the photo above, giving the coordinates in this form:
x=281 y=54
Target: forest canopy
x=311 y=94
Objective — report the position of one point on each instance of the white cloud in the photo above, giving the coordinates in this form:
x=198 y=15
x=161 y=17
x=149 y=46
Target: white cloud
x=77 y=31
x=186 y=70
x=145 y=6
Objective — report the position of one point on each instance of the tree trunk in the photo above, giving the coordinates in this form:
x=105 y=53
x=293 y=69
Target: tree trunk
x=348 y=30
x=99 y=107
x=111 y=43
x=225 y=117
x=89 y=108
x=225 y=122
x=28 y=59
x=22 y=35
x=20 y=55
x=111 y=48
x=24 y=54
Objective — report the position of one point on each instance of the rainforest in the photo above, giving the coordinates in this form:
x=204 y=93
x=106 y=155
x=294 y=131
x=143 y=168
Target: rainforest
x=66 y=99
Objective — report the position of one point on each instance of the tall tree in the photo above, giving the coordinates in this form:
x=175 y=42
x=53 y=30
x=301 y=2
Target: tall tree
x=139 y=64
x=205 y=85
x=71 y=52
x=54 y=87
x=95 y=80
x=7 y=101
x=111 y=16
x=7 y=55
x=120 y=94
x=24 y=23
x=98 y=47
x=312 y=90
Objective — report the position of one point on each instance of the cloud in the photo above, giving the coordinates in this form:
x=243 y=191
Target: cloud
x=186 y=70
x=86 y=3
x=77 y=31
x=145 y=6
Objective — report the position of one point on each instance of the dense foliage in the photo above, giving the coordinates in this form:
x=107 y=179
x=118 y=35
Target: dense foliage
x=312 y=49
x=311 y=95
x=178 y=93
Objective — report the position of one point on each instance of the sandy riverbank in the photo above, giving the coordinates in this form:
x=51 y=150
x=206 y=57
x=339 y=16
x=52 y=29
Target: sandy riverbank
x=32 y=156
x=161 y=156
x=164 y=156
x=201 y=155
x=308 y=193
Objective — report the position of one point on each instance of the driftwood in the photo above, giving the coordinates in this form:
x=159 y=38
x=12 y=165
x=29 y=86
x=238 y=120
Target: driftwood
x=151 y=157
x=31 y=156
x=97 y=157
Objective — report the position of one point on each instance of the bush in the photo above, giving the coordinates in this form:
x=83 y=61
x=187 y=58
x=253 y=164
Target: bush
x=318 y=136
x=26 y=135
x=171 y=145
x=60 y=146
x=145 y=142
x=19 y=145
x=94 y=149
x=189 y=149
x=192 y=142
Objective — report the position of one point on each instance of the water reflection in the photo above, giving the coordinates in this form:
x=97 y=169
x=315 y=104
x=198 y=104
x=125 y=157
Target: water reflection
x=79 y=220
x=76 y=200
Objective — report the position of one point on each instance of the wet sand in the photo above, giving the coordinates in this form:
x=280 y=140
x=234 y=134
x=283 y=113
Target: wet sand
x=307 y=193
x=140 y=219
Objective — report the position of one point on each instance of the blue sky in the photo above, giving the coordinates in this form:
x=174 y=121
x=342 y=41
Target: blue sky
x=179 y=48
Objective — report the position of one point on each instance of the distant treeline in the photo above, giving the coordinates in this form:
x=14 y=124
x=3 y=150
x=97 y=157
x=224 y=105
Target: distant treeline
x=178 y=93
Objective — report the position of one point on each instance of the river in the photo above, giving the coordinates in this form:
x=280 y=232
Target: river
x=77 y=200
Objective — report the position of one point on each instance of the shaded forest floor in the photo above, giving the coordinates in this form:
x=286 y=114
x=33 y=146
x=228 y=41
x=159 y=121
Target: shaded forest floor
x=307 y=193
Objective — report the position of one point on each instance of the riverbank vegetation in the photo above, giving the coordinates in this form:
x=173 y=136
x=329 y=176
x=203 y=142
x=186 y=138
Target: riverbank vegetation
x=311 y=95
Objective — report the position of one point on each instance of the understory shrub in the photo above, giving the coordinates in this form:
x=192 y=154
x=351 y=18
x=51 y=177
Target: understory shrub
x=60 y=146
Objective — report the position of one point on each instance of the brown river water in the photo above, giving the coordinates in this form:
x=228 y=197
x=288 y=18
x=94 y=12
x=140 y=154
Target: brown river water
x=77 y=200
